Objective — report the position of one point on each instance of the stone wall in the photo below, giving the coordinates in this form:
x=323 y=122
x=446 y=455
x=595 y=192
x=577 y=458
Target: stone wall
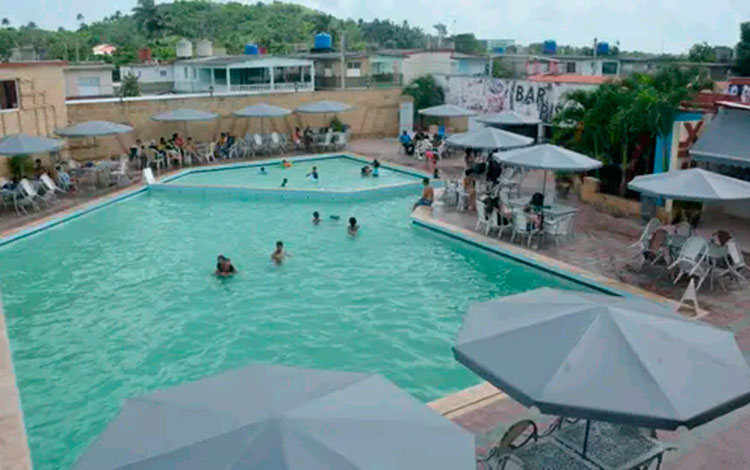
x=375 y=113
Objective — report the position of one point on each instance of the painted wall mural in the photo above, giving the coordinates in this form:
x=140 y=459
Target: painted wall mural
x=492 y=95
x=741 y=90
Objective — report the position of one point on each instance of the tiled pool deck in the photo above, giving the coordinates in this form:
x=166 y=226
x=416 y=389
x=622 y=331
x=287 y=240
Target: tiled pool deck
x=598 y=254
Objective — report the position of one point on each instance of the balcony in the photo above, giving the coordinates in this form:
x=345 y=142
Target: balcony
x=269 y=87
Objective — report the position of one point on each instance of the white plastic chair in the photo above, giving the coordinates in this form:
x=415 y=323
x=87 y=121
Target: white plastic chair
x=450 y=192
x=558 y=228
x=482 y=223
x=27 y=189
x=50 y=185
x=148 y=175
x=683 y=229
x=121 y=173
x=735 y=260
x=521 y=227
x=327 y=142
x=692 y=260
x=642 y=242
x=258 y=145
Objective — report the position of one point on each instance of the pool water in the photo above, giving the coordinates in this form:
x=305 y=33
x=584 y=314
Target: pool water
x=123 y=301
x=337 y=174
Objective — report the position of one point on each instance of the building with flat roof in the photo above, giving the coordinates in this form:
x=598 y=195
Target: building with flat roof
x=88 y=79
x=360 y=69
x=153 y=77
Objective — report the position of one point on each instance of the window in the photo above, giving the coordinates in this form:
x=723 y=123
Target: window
x=570 y=67
x=8 y=94
x=609 y=68
x=162 y=73
x=195 y=74
x=328 y=71
x=353 y=69
x=88 y=86
x=186 y=71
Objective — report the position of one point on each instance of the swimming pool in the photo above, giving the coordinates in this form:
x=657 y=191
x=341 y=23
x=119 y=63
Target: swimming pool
x=336 y=173
x=123 y=300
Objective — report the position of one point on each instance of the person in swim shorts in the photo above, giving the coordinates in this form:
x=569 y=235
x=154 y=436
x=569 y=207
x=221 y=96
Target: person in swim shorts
x=428 y=194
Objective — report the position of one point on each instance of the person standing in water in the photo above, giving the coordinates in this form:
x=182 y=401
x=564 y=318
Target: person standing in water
x=375 y=167
x=313 y=174
x=284 y=182
x=352 y=228
x=279 y=254
x=316 y=218
x=224 y=267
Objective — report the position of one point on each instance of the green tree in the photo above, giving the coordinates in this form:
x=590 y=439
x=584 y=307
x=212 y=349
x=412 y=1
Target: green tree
x=743 y=50
x=148 y=18
x=467 y=43
x=5 y=22
x=426 y=92
x=702 y=52
x=129 y=85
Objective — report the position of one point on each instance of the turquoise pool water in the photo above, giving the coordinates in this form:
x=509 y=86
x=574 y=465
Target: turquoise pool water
x=123 y=301
x=338 y=174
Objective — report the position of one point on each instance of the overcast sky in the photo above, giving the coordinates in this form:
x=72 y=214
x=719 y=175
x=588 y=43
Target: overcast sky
x=649 y=25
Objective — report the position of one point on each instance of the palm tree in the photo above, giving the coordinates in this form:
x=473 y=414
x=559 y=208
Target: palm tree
x=148 y=18
x=5 y=22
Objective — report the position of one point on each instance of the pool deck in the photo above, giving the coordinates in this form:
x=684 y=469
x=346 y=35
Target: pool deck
x=598 y=254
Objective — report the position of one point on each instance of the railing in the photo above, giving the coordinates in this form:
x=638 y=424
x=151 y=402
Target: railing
x=267 y=87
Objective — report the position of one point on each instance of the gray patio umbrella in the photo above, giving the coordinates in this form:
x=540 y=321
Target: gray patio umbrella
x=266 y=417
x=94 y=129
x=323 y=107
x=508 y=118
x=446 y=110
x=605 y=358
x=184 y=115
x=489 y=138
x=24 y=144
x=695 y=184
x=548 y=157
x=262 y=111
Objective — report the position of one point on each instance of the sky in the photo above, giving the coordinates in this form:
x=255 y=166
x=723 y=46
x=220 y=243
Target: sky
x=648 y=25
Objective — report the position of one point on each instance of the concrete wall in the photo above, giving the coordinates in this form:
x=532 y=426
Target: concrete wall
x=73 y=74
x=41 y=89
x=375 y=113
x=424 y=63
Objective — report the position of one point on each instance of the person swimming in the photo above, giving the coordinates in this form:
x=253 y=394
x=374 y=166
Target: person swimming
x=352 y=228
x=286 y=163
x=224 y=267
x=334 y=217
x=365 y=171
x=262 y=171
x=284 y=182
x=316 y=218
x=279 y=254
x=313 y=174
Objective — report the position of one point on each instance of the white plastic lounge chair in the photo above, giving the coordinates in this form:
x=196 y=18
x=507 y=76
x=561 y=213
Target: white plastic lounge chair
x=735 y=262
x=277 y=144
x=259 y=147
x=651 y=227
x=683 y=229
x=148 y=175
x=50 y=185
x=482 y=223
x=326 y=143
x=692 y=260
x=27 y=189
x=522 y=228
x=207 y=152
x=121 y=173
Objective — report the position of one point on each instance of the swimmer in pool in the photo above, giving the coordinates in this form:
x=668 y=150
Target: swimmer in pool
x=334 y=217
x=224 y=267
x=284 y=182
x=365 y=171
x=313 y=174
x=286 y=163
x=262 y=171
x=353 y=228
x=279 y=254
x=316 y=218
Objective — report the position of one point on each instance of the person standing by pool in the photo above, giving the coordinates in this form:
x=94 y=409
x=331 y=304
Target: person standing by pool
x=279 y=254
x=316 y=218
x=428 y=194
x=313 y=174
x=352 y=228
x=224 y=267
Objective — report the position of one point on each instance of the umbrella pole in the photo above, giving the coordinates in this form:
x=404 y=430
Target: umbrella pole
x=586 y=437
x=544 y=185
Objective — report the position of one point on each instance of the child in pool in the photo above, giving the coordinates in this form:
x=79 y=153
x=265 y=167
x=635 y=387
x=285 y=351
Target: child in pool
x=284 y=182
x=316 y=218
x=353 y=228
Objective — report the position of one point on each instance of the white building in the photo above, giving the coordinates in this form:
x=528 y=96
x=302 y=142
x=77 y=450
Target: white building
x=88 y=79
x=153 y=77
x=243 y=73
x=422 y=62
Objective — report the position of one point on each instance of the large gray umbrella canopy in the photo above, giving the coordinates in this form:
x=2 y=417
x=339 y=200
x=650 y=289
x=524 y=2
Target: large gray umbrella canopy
x=489 y=138
x=548 y=157
x=184 y=115
x=508 y=118
x=446 y=110
x=262 y=110
x=265 y=417
x=24 y=144
x=323 y=107
x=695 y=184
x=94 y=129
x=598 y=357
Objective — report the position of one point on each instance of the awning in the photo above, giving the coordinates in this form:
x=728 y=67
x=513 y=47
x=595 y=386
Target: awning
x=727 y=139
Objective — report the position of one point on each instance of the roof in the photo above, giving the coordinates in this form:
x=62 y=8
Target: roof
x=725 y=139
x=462 y=56
x=331 y=55
x=570 y=78
x=739 y=81
x=89 y=66
x=408 y=52
x=33 y=63
x=257 y=60
x=152 y=63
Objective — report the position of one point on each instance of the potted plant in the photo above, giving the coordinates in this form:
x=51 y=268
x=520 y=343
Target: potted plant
x=20 y=166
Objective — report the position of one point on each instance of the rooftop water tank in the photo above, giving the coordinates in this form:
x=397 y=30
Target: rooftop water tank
x=184 y=48
x=204 y=48
x=549 y=47
x=323 y=41
x=602 y=48
x=251 y=49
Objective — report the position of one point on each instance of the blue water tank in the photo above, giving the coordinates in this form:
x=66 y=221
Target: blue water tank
x=498 y=50
x=549 y=47
x=251 y=49
x=323 y=41
x=602 y=48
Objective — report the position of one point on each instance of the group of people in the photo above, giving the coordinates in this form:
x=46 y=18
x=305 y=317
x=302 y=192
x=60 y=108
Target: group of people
x=425 y=146
x=374 y=171
x=174 y=150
